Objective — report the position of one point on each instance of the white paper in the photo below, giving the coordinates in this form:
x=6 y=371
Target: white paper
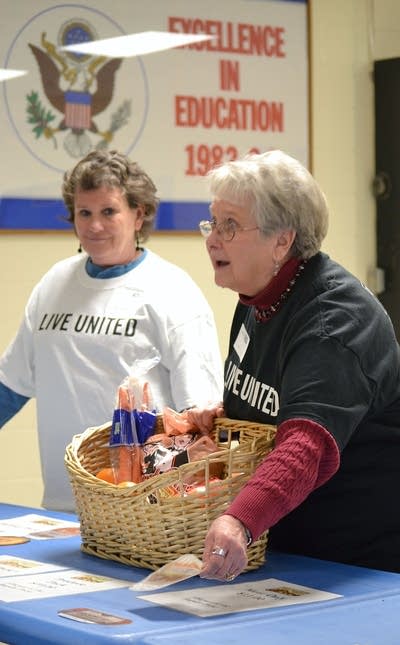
x=231 y=598
x=13 y=566
x=60 y=583
x=38 y=527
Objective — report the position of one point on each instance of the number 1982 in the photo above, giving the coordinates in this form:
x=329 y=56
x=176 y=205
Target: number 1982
x=201 y=158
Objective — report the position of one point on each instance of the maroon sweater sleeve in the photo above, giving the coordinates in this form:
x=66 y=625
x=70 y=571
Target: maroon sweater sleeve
x=305 y=457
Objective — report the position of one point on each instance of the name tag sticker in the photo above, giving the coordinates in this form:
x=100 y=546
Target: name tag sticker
x=242 y=342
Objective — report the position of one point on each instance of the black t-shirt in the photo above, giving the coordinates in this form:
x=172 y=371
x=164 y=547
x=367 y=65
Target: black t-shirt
x=330 y=355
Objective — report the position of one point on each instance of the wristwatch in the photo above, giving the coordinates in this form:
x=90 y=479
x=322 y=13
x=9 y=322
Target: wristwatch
x=248 y=535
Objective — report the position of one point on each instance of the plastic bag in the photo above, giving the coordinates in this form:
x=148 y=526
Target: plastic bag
x=133 y=422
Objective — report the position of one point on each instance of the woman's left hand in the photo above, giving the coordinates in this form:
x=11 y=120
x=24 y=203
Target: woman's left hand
x=225 y=549
x=203 y=418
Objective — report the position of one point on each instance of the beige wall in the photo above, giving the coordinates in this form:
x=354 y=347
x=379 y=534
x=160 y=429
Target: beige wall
x=346 y=35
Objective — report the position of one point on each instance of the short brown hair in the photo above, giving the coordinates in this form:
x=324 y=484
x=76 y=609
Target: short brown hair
x=111 y=168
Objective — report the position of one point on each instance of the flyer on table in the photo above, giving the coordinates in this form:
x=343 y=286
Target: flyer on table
x=244 y=596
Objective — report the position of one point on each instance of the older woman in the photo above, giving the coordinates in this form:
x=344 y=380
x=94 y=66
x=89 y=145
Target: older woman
x=313 y=352
x=115 y=310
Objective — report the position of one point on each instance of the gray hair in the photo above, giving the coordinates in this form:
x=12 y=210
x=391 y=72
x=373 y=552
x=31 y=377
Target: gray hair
x=113 y=169
x=280 y=193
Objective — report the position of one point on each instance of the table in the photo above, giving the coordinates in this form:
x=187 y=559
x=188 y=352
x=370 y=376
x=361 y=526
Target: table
x=367 y=614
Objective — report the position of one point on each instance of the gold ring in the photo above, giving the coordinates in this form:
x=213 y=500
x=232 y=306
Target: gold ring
x=229 y=577
x=219 y=551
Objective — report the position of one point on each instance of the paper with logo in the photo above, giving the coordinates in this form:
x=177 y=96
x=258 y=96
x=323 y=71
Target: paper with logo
x=12 y=566
x=38 y=527
x=232 y=598
x=55 y=583
x=184 y=567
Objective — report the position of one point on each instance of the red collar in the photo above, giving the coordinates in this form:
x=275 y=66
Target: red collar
x=275 y=288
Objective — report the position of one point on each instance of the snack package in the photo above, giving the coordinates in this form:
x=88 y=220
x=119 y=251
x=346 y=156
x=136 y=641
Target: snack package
x=133 y=422
x=176 y=422
x=161 y=452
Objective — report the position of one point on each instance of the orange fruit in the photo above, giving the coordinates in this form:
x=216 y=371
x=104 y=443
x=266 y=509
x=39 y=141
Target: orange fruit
x=107 y=474
x=213 y=488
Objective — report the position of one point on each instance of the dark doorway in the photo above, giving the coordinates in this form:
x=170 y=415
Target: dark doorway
x=387 y=182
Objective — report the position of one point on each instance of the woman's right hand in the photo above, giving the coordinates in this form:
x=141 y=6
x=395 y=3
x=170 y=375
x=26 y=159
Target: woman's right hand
x=203 y=418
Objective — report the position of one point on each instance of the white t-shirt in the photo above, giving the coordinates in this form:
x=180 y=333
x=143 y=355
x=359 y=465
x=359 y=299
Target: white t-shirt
x=81 y=336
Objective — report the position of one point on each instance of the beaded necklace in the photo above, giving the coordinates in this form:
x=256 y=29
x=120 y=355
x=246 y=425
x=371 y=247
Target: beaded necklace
x=263 y=314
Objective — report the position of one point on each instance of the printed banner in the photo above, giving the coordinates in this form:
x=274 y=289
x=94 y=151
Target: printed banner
x=176 y=112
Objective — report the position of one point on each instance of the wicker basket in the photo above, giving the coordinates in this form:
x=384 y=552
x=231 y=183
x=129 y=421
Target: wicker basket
x=144 y=526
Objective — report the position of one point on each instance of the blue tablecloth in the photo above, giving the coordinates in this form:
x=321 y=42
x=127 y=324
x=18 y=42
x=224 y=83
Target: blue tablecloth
x=367 y=614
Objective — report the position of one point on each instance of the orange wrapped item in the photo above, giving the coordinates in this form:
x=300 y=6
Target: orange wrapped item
x=176 y=422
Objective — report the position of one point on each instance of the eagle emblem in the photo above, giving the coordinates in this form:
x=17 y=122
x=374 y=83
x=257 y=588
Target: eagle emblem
x=79 y=87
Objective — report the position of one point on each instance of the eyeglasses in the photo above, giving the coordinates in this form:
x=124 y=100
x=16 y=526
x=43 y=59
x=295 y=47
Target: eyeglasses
x=227 y=229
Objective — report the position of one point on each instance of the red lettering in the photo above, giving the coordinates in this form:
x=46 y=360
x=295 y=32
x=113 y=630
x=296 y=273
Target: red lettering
x=233 y=38
x=202 y=157
x=280 y=42
x=226 y=114
x=180 y=104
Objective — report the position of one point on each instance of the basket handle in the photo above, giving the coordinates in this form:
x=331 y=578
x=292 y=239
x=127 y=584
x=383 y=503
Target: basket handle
x=78 y=438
